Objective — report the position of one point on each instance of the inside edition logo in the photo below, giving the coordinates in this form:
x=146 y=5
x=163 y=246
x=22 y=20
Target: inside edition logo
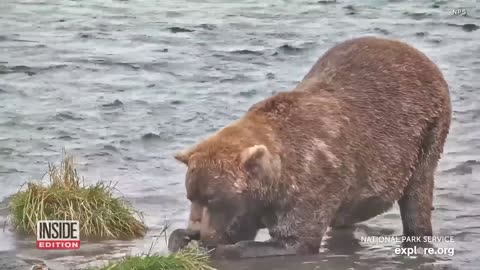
x=58 y=234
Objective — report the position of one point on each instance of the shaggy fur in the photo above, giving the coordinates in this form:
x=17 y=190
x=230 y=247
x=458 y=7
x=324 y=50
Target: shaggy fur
x=364 y=128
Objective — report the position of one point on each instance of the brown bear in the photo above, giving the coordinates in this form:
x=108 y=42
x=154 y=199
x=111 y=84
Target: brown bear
x=364 y=128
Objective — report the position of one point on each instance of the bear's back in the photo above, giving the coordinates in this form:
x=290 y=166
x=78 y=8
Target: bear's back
x=371 y=101
x=381 y=74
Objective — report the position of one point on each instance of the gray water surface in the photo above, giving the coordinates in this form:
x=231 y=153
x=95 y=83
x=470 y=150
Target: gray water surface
x=123 y=85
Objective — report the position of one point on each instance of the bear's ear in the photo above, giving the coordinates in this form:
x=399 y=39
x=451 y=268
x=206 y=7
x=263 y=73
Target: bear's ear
x=254 y=157
x=183 y=156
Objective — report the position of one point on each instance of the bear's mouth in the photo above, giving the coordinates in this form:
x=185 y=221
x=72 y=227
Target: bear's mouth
x=193 y=235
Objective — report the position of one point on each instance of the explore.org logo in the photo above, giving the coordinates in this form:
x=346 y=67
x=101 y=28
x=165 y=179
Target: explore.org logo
x=58 y=234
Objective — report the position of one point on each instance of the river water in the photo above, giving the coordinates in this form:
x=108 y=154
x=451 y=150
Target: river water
x=123 y=85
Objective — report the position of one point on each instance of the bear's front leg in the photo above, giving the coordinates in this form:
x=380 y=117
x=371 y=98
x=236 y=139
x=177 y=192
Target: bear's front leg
x=298 y=231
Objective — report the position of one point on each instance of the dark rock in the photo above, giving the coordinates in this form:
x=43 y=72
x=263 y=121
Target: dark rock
x=68 y=116
x=116 y=103
x=177 y=29
x=289 y=49
x=180 y=238
x=470 y=27
x=207 y=26
x=247 y=52
x=435 y=41
x=326 y=2
x=382 y=31
x=150 y=136
x=417 y=15
x=350 y=10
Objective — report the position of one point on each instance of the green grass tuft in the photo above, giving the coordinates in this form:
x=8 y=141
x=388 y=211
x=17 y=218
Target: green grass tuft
x=187 y=259
x=66 y=197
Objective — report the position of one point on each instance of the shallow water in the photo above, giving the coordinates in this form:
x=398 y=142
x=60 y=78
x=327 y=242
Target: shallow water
x=123 y=85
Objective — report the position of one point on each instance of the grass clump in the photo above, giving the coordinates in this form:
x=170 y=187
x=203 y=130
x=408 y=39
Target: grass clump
x=66 y=197
x=187 y=259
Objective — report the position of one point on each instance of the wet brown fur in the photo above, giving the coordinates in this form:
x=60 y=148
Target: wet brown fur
x=364 y=128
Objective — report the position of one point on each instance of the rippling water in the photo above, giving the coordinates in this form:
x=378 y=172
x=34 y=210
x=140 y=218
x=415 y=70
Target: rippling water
x=123 y=85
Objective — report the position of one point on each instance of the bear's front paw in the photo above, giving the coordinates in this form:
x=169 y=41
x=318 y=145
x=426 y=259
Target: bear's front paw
x=180 y=238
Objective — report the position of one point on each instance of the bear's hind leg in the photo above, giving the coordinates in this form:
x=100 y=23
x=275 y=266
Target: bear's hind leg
x=416 y=201
x=349 y=214
x=416 y=206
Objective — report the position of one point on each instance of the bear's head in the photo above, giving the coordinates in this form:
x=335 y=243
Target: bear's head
x=226 y=180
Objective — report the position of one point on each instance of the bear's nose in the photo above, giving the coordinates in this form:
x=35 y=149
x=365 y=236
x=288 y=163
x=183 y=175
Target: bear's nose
x=195 y=225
